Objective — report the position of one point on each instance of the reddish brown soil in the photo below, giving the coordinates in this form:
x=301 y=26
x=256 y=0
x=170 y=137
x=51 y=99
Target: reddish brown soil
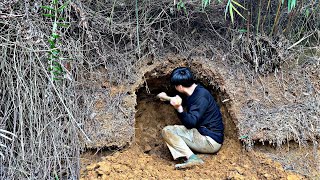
x=149 y=158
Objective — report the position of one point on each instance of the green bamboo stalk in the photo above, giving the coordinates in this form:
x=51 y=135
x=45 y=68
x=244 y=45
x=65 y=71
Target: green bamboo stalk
x=264 y=18
x=290 y=20
x=259 y=16
x=276 y=19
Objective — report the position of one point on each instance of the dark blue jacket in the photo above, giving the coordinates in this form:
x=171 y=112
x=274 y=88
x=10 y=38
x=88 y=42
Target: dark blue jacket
x=204 y=114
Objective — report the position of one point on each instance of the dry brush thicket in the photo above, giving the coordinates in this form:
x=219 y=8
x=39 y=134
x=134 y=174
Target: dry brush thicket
x=107 y=43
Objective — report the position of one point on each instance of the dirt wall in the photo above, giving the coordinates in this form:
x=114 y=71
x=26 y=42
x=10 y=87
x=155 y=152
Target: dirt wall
x=116 y=128
x=247 y=102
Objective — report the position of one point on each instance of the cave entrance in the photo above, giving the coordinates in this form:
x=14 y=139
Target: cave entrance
x=152 y=114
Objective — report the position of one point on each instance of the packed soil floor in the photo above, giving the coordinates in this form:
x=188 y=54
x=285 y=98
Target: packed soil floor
x=149 y=158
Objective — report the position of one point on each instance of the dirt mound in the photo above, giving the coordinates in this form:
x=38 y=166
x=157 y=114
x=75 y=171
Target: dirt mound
x=230 y=163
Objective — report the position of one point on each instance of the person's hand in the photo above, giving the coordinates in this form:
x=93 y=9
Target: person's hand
x=163 y=96
x=176 y=101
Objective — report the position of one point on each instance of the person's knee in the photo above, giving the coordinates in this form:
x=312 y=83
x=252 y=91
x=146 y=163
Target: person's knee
x=166 y=130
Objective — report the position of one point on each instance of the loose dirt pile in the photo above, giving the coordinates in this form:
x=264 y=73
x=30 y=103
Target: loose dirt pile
x=230 y=163
x=149 y=158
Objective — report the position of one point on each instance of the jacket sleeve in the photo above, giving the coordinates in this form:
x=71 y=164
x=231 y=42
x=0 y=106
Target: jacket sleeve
x=196 y=110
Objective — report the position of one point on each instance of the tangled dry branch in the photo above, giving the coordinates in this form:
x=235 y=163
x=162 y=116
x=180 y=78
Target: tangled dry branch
x=105 y=44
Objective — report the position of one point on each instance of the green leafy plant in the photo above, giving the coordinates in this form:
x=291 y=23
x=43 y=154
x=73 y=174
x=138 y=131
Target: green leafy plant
x=205 y=3
x=231 y=7
x=181 y=5
x=307 y=13
x=291 y=4
x=55 y=57
x=242 y=30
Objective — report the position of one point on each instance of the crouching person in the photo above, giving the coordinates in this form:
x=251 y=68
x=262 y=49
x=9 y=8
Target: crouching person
x=202 y=129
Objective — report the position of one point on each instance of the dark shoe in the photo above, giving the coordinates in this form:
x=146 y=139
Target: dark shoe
x=192 y=161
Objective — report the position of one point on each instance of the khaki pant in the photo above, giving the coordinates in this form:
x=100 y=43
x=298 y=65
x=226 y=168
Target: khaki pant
x=181 y=141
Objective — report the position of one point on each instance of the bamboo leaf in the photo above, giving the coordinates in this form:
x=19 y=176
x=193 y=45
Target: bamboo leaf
x=52 y=46
x=179 y=5
x=243 y=137
x=235 y=9
x=289 y=5
x=61 y=8
x=236 y=3
x=55 y=52
x=48 y=8
x=56 y=63
x=54 y=2
x=51 y=42
x=57 y=73
x=205 y=3
x=62 y=19
x=55 y=35
x=48 y=15
x=57 y=79
x=55 y=57
x=293 y=4
x=57 y=68
x=226 y=10
x=242 y=30
x=307 y=13
x=63 y=25
x=56 y=176
x=231 y=12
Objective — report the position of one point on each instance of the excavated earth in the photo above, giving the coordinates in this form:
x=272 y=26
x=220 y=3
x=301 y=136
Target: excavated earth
x=147 y=157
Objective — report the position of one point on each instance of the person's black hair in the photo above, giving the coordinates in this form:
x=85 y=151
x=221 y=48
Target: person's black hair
x=181 y=76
